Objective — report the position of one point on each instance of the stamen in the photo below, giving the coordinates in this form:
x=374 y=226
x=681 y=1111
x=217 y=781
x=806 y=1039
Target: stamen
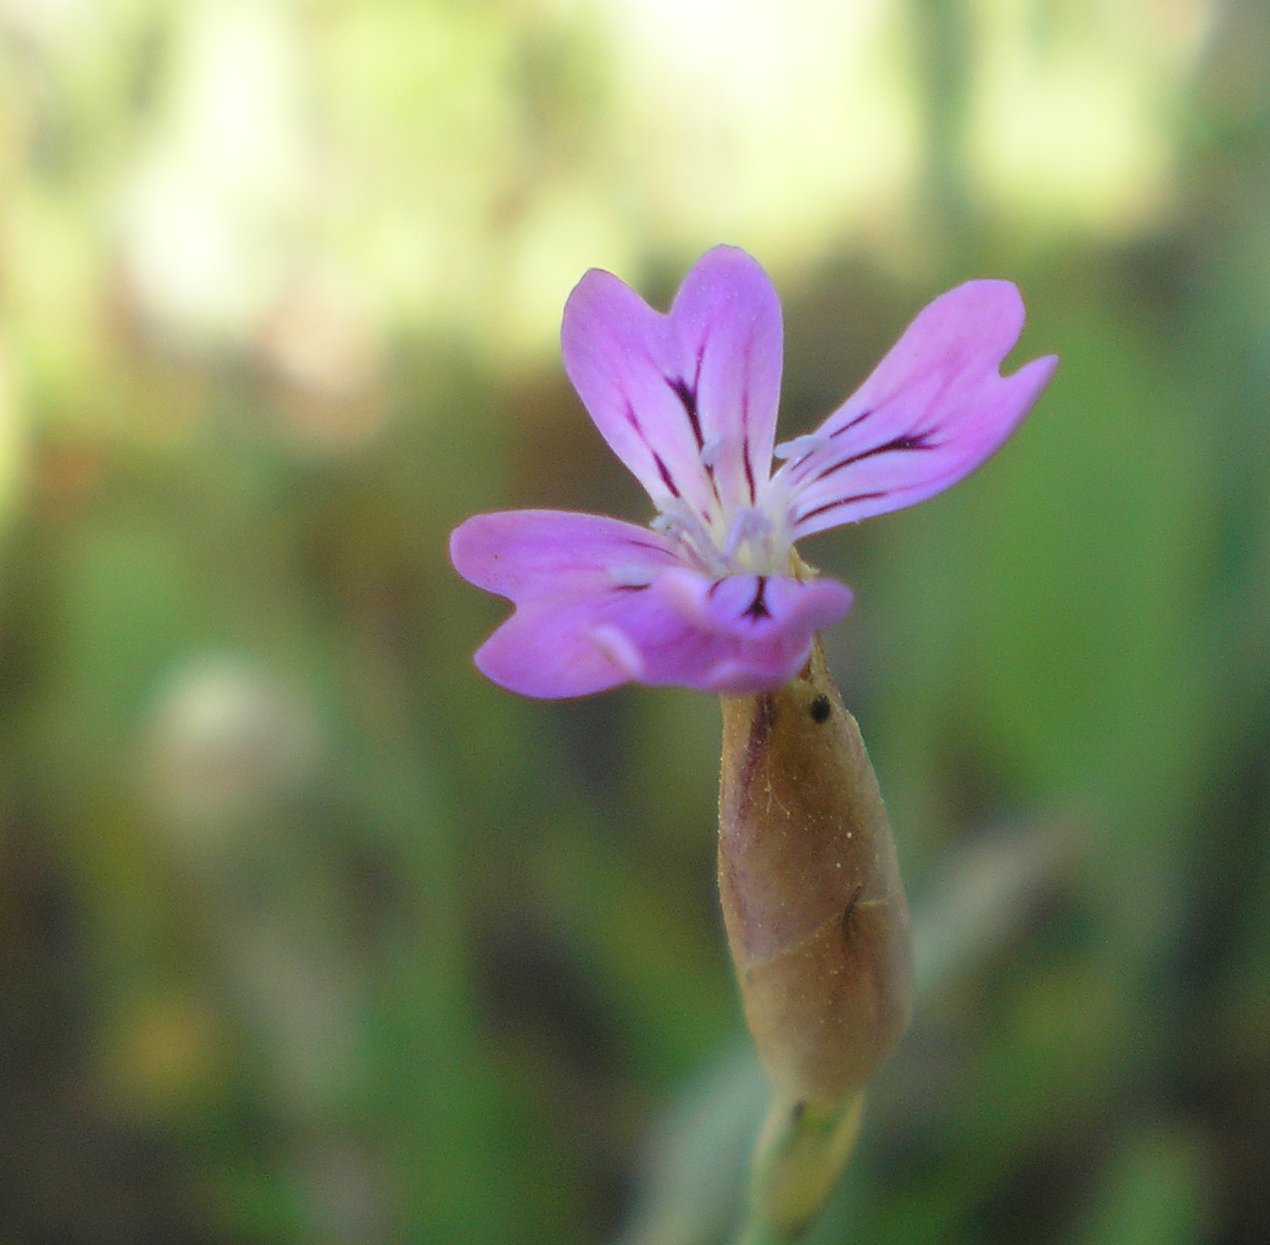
x=749 y=527
x=801 y=447
x=618 y=649
x=711 y=450
x=631 y=575
x=755 y=539
x=690 y=530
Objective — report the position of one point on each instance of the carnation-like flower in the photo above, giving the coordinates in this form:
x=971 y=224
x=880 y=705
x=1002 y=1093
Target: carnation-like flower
x=713 y=595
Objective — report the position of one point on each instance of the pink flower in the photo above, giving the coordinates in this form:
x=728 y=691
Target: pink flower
x=713 y=595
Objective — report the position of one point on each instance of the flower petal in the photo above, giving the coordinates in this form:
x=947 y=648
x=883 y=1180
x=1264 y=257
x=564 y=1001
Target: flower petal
x=746 y=633
x=931 y=412
x=686 y=400
x=564 y=572
x=727 y=318
x=600 y=602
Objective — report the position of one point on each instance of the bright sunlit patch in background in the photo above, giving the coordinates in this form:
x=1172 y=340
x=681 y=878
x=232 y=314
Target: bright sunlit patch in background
x=1069 y=124
x=212 y=208
x=11 y=448
x=41 y=19
x=302 y=184
x=783 y=125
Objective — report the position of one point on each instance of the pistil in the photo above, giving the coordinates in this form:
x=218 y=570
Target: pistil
x=752 y=543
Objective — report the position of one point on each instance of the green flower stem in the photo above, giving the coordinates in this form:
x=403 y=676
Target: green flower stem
x=800 y=1153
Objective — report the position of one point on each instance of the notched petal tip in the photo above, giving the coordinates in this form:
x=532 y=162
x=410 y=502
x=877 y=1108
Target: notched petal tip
x=936 y=407
x=472 y=550
x=546 y=658
x=687 y=398
x=994 y=307
x=1039 y=373
x=726 y=262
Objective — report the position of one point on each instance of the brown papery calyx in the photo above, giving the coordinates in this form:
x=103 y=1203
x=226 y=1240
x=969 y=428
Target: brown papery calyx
x=810 y=886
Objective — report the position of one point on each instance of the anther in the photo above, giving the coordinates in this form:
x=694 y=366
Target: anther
x=801 y=447
x=630 y=575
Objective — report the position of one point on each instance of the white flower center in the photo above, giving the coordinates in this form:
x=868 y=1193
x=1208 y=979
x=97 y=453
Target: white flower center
x=753 y=540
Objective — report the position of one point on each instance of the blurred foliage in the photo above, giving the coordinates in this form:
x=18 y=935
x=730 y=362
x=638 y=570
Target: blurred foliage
x=307 y=933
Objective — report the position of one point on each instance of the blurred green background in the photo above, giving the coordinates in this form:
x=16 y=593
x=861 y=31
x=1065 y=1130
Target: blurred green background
x=308 y=934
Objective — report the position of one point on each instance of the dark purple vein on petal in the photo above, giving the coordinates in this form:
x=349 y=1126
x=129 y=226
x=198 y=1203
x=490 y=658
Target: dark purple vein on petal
x=664 y=471
x=645 y=544
x=802 y=465
x=854 y=422
x=901 y=444
x=757 y=608
x=687 y=395
x=745 y=429
x=667 y=479
x=841 y=501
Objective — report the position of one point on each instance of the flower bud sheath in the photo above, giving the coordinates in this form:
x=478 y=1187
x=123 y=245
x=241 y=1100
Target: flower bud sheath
x=810 y=887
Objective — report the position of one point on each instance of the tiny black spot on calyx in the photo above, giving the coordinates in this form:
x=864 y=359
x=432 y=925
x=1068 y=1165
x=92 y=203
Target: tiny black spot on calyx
x=797 y=1111
x=820 y=709
x=847 y=913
